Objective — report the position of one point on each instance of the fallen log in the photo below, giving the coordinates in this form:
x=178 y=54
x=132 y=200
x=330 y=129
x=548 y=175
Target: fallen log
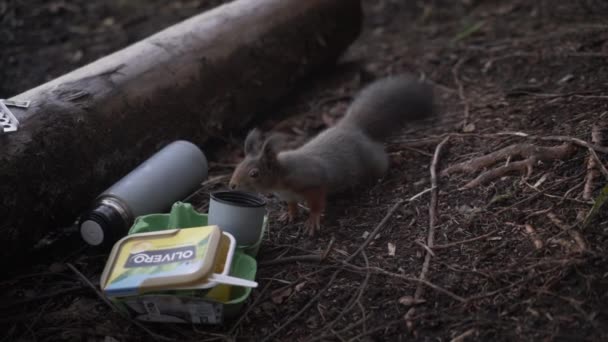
x=202 y=78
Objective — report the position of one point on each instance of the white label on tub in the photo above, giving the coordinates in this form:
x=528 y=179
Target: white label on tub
x=206 y=313
x=174 y=309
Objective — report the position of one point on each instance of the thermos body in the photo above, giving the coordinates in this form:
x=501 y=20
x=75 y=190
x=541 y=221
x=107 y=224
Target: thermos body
x=168 y=176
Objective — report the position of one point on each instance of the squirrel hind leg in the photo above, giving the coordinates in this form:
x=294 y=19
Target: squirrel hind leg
x=378 y=162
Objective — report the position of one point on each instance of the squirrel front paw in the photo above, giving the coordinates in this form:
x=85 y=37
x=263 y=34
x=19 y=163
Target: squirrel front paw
x=313 y=224
x=286 y=217
x=290 y=215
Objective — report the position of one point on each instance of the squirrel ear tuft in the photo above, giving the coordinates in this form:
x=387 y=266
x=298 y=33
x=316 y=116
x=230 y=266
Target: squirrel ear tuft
x=253 y=142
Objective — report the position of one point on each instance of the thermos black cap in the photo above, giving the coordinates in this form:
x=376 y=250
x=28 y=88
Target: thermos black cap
x=101 y=225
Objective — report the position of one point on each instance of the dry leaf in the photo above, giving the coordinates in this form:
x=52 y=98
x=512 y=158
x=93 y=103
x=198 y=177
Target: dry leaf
x=279 y=295
x=470 y=127
x=565 y=79
x=391 y=249
x=300 y=286
x=540 y=181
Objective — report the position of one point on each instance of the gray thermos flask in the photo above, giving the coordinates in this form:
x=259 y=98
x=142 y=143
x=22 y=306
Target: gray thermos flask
x=168 y=176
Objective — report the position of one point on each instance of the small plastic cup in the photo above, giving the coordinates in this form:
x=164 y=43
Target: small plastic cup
x=238 y=212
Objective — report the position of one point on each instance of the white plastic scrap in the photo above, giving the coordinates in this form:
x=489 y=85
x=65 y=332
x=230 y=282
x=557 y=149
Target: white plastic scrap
x=8 y=121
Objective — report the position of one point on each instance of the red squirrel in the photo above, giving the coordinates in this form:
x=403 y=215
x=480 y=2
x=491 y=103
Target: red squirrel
x=339 y=158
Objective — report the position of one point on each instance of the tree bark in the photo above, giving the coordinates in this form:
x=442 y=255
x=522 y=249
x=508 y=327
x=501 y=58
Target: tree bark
x=204 y=77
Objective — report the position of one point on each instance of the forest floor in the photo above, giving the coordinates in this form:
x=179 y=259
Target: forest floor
x=506 y=259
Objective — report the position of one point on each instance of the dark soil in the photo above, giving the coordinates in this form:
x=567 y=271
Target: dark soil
x=537 y=67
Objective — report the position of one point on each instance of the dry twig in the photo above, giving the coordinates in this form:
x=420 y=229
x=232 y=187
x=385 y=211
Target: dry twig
x=354 y=300
x=464 y=335
x=537 y=194
x=206 y=183
x=456 y=243
x=463 y=99
x=296 y=258
x=374 y=232
x=411 y=280
x=592 y=165
x=431 y=234
x=251 y=306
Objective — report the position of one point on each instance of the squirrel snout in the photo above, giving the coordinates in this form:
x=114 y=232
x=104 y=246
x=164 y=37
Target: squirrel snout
x=232 y=185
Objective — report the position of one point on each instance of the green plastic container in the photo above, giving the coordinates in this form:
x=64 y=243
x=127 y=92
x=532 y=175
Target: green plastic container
x=184 y=216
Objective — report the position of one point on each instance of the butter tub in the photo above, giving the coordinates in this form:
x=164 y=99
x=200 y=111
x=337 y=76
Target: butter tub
x=172 y=290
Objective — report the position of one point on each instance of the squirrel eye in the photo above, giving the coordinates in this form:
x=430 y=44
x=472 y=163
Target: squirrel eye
x=254 y=173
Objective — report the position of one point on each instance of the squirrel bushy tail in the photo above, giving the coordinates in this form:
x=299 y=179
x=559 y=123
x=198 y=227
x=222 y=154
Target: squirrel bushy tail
x=384 y=106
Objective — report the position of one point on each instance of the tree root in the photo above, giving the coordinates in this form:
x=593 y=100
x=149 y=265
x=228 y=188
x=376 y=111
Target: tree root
x=531 y=154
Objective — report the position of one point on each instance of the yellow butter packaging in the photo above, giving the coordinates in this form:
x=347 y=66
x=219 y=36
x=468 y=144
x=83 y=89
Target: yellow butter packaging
x=167 y=260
